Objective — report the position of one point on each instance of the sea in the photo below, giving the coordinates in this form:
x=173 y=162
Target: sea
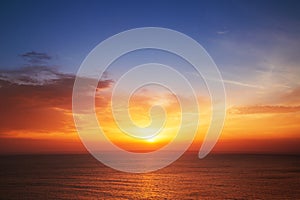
x=218 y=176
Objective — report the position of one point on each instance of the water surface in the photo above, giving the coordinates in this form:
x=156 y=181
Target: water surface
x=219 y=176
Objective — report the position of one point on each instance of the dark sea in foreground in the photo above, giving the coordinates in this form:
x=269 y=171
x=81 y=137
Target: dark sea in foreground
x=218 y=176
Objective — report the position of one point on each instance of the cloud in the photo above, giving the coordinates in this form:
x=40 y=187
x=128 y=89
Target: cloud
x=222 y=32
x=228 y=81
x=263 y=109
x=268 y=57
x=37 y=99
x=36 y=57
x=238 y=83
x=32 y=75
x=292 y=96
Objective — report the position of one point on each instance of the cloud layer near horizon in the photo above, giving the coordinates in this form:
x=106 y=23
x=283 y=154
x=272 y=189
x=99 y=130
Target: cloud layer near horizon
x=36 y=105
x=37 y=99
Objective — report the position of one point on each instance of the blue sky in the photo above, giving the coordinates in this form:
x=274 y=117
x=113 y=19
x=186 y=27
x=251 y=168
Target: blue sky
x=68 y=30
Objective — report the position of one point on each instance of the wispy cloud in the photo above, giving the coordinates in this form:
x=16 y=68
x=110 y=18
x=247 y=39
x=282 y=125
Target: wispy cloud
x=263 y=109
x=228 y=81
x=238 y=83
x=222 y=32
x=292 y=96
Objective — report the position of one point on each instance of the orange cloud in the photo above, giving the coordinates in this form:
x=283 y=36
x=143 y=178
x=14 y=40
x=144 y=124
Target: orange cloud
x=43 y=106
x=292 y=96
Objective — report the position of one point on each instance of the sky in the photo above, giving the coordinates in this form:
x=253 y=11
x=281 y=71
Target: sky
x=255 y=45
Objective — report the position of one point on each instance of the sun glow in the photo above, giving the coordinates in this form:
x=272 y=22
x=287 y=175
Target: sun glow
x=151 y=140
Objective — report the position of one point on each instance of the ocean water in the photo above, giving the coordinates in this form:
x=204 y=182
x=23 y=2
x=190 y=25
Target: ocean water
x=218 y=176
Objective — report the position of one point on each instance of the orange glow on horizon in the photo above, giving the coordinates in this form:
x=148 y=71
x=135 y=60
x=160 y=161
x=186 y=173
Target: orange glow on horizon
x=246 y=128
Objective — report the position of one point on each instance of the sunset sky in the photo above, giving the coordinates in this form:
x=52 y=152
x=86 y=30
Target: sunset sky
x=256 y=46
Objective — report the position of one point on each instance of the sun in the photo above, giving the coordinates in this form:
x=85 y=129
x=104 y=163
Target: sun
x=151 y=140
